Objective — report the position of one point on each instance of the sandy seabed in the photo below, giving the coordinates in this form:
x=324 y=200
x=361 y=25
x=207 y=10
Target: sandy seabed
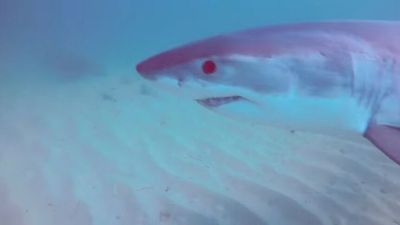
x=113 y=150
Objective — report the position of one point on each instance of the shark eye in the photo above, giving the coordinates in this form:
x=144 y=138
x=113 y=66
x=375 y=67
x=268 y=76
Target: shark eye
x=209 y=67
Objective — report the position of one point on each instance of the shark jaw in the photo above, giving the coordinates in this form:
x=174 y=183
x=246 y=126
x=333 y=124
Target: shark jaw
x=206 y=94
x=218 y=101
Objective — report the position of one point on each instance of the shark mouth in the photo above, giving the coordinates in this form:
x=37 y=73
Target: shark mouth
x=218 y=101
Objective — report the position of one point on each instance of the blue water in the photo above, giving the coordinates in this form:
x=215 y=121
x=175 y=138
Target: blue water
x=117 y=34
x=84 y=140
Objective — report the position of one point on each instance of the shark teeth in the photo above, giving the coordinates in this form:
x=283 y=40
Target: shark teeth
x=218 y=101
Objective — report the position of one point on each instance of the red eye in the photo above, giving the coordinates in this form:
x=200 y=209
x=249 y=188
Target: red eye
x=209 y=67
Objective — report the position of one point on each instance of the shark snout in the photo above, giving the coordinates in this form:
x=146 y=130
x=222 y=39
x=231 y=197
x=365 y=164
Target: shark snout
x=144 y=69
x=157 y=63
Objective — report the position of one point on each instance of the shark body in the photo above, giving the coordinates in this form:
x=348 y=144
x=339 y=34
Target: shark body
x=328 y=77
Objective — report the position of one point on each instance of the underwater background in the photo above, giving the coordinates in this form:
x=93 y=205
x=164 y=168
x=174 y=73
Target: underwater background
x=84 y=140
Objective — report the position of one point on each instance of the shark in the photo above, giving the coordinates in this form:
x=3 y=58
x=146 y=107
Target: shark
x=331 y=78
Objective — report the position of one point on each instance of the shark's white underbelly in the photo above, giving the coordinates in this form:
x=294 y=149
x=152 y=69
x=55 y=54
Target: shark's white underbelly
x=376 y=85
x=319 y=115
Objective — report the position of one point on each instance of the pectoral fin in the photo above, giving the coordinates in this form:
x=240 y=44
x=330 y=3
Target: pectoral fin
x=386 y=138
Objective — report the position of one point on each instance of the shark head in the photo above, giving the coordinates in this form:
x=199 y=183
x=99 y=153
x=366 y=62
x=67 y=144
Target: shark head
x=284 y=78
x=214 y=72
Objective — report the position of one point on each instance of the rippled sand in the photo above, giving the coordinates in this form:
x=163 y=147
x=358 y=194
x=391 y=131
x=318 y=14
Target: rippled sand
x=112 y=150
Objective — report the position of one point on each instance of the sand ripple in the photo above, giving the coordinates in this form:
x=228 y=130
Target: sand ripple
x=70 y=155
